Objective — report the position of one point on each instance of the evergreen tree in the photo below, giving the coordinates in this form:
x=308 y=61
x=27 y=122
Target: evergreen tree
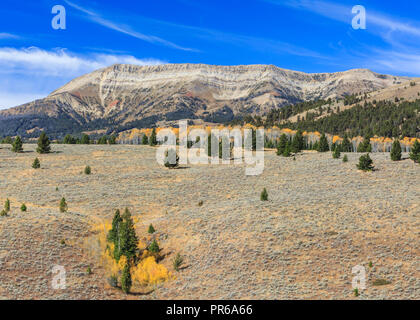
x=36 y=164
x=264 y=195
x=151 y=229
x=7 y=206
x=113 y=233
x=346 y=144
x=282 y=144
x=396 y=151
x=43 y=144
x=126 y=281
x=337 y=153
x=323 y=144
x=85 y=139
x=153 y=139
x=287 y=153
x=128 y=238
x=17 y=145
x=297 y=142
x=365 y=163
x=365 y=146
x=415 y=152
x=145 y=140
x=63 y=205
x=113 y=139
x=345 y=159
x=154 y=247
x=88 y=170
x=68 y=139
x=103 y=140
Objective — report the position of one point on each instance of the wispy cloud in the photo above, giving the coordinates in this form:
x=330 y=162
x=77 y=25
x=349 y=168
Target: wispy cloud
x=377 y=22
x=401 y=50
x=51 y=69
x=98 y=19
x=5 y=35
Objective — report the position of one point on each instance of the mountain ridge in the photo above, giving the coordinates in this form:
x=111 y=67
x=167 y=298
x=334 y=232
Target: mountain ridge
x=123 y=96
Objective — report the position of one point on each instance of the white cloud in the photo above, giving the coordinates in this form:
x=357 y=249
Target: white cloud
x=60 y=62
x=29 y=73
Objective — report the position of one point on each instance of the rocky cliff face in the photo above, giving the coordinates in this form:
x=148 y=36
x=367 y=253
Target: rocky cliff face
x=125 y=96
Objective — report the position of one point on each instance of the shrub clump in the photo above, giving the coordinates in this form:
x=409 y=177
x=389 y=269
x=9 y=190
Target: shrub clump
x=23 y=207
x=88 y=170
x=345 y=159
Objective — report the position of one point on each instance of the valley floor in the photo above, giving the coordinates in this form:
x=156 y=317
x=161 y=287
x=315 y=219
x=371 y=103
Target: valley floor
x=323 y=217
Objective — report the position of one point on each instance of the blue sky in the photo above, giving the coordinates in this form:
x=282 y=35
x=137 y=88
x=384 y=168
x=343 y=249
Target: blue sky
x=304 y=35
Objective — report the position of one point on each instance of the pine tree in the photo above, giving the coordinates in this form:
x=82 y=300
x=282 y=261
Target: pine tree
x=337 y=153
x=88 y=170
x=365 y=146
x=154 y=247
x=365 y=163
x=7 y=206
x=113 y=139
x=126 y=281
x=396 y=151
x=113 y=233
x=323 y=144
x=128 y=238
x=282 y=144
x=17 y=145
x=297 y=142
x=264 y=195
x=85 y=139
x=68 y=139
x=151 y=229
x=43 y=144
x=63 y=205
x=287 y=153
x=103 y=140
x=153 y=139
x=145 y=140
x=346 y=144
x=415 y=152
x=36 y=164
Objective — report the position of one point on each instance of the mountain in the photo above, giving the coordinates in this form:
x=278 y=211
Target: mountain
x=121 y=97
